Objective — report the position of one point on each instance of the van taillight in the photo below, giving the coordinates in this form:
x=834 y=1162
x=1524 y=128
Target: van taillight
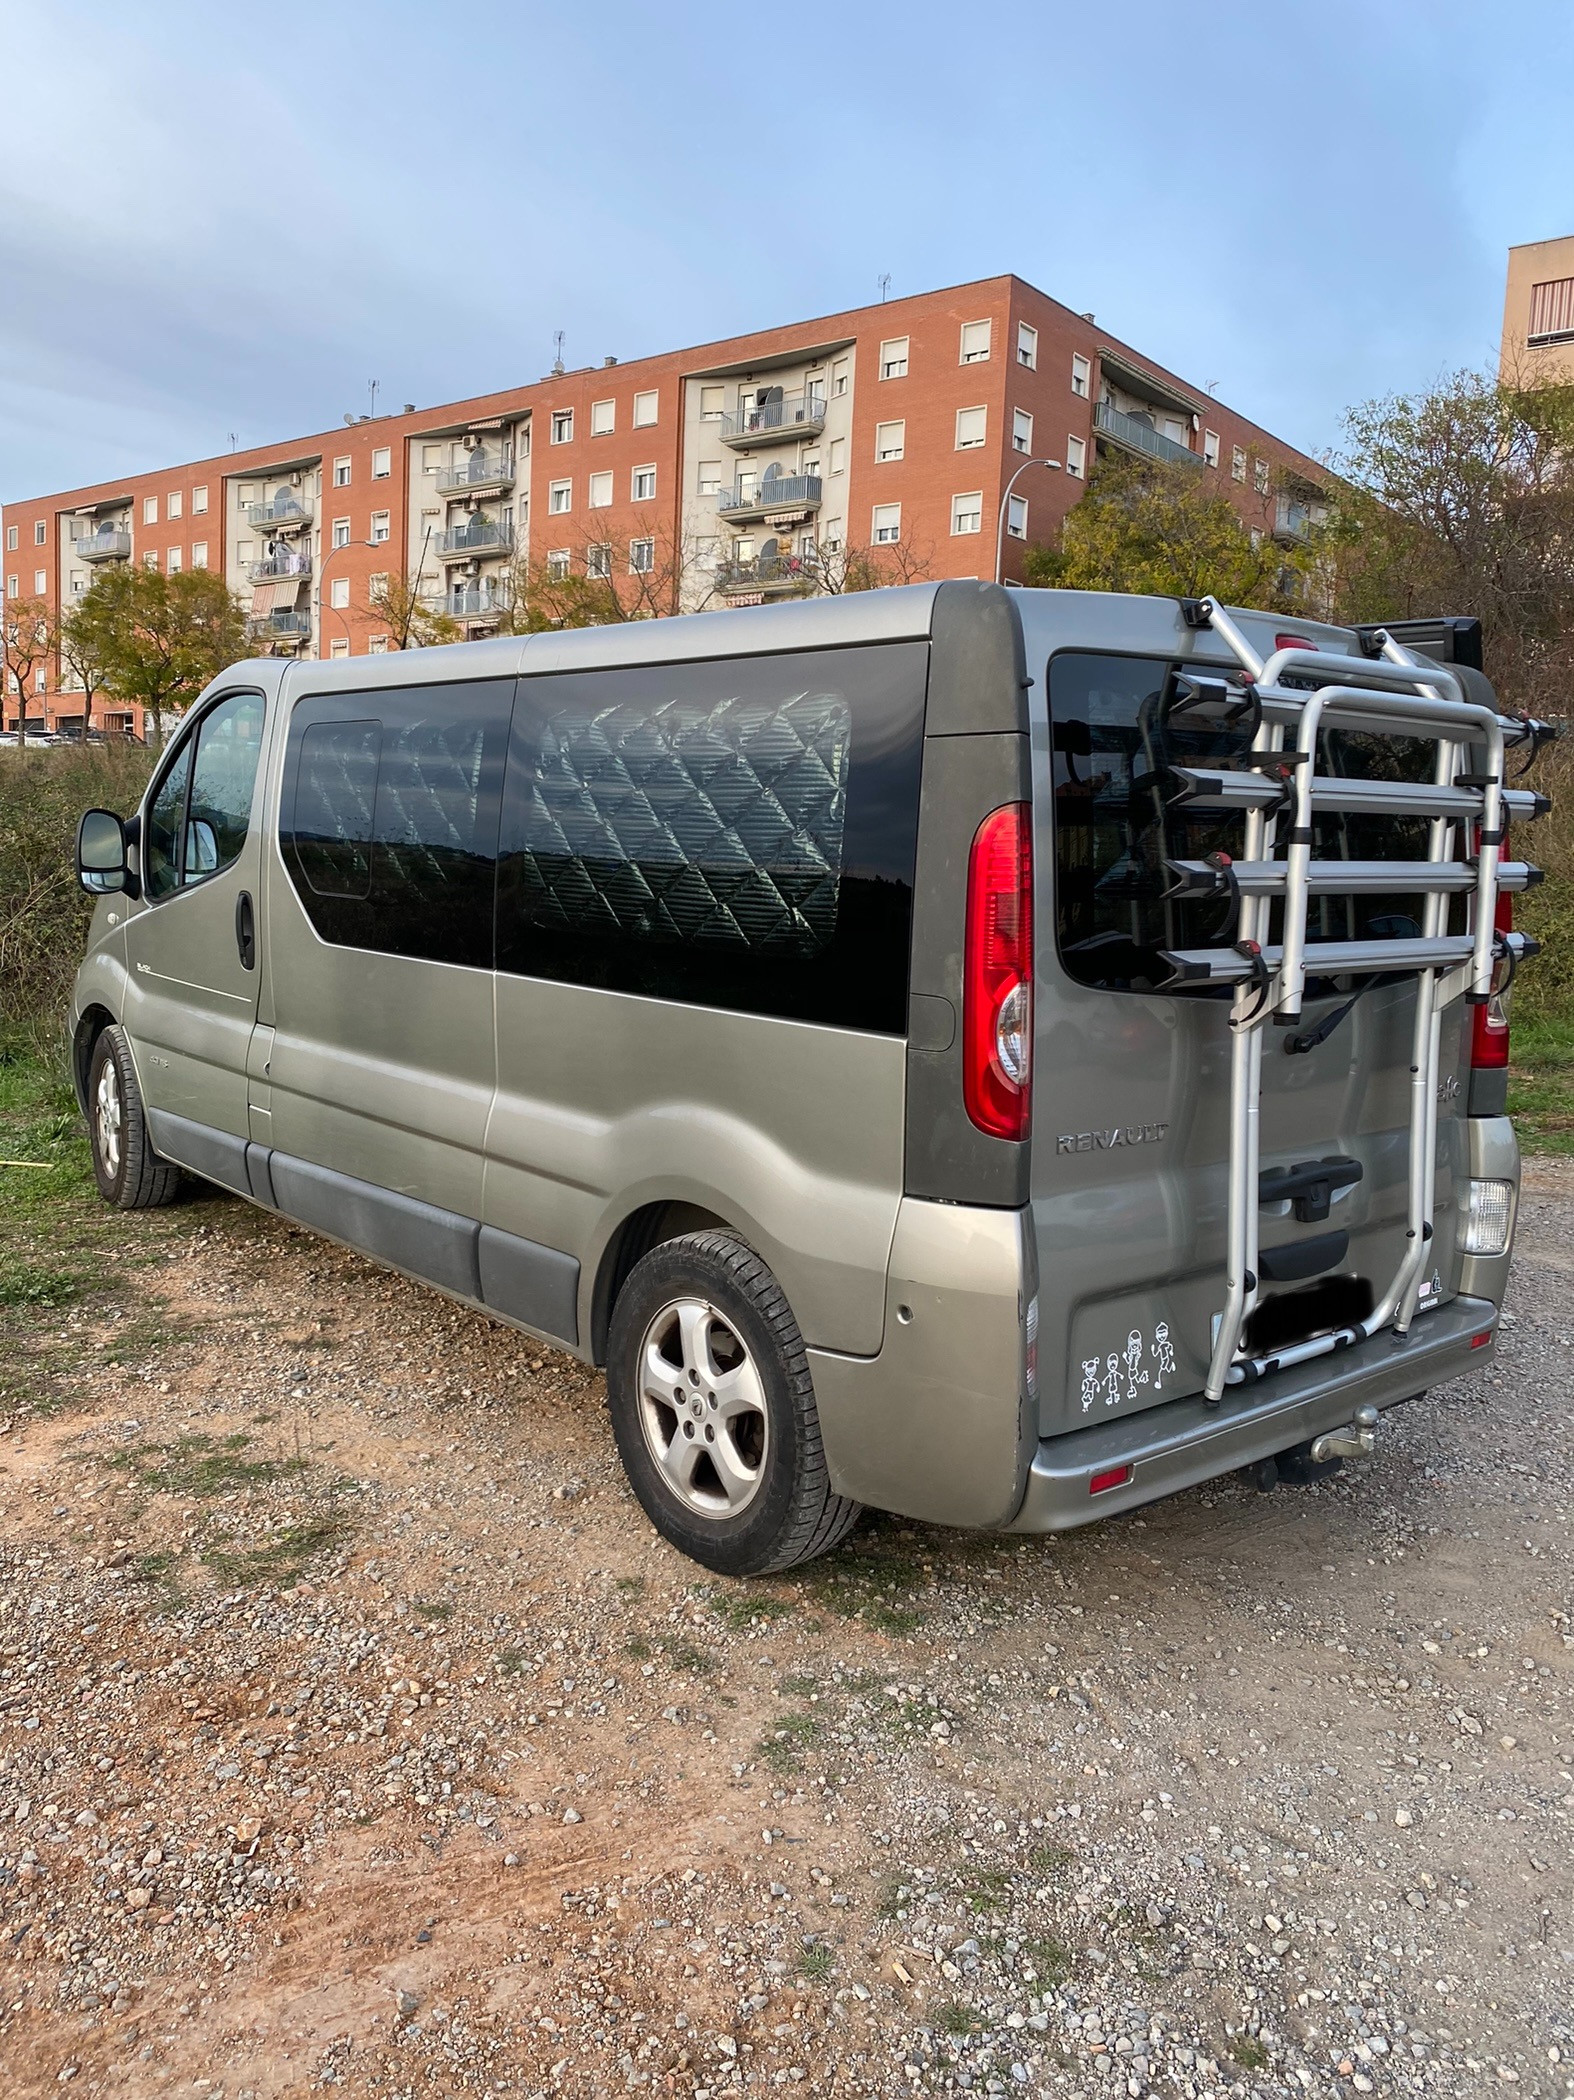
x=1489 y=1023
x=1293 y=641
x=997 y=974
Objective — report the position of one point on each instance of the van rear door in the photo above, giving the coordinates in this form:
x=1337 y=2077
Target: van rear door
x=1131 y=1090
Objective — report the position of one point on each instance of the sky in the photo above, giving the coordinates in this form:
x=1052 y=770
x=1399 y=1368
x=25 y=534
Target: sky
x=222 y=223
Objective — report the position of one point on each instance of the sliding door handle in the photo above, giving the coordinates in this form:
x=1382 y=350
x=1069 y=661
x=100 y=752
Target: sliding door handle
x=246 y=931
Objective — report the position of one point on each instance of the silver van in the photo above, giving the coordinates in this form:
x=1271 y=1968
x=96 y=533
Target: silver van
x=997 y=1056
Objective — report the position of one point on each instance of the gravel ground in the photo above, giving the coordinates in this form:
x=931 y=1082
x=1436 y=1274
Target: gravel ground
x=356 y=1732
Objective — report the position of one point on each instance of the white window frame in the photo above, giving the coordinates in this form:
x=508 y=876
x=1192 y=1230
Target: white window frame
x=150 y=510
x=338 y=593
x=972 y=444
x=377 y=586
x=603 y=418
x=1081 y=375
x=1016 y=517
x=1238 y=463
x=174 y=503
x=40 y=582
x=560 y=563
x=199 y=554
x=382 y=527
x=1076 y=456
x=172 y=562
x=890 y=440
x=341 y=532
x=342 y=470
x=894 y=355
x=560 y=498
x=1022 y=430
x=841 y=377
x=598 y=491
x=382 y=463
x=885 y=525
x=598 y=558
x=836 y=455
x=647 y=408
x=199 y=500
x=1210 y=448
x=642 y=483
x=431 y=459
x=1261 y=476
x=560 y=426
x=1027 y=346
x=975 y=356
x=968 y=506
x=642 y=556
x=12 y=533
x=708 y=478
x=339 y=644
x=377 y=645
x=713 y=403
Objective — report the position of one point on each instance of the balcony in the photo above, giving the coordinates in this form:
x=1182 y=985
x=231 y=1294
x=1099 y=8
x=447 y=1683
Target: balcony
x=476 y=604
x=284 y=625
x=281 y=513
x=275 y=568
x=477 y=539
x=768 y=422
x=482 y=472
x=1136 y=434
x=772 y=576
x=109 y=543
x=1295 y=518
x=777 y=496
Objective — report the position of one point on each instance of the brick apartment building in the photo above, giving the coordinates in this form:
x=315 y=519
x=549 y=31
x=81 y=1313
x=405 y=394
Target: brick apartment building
x=743 y=471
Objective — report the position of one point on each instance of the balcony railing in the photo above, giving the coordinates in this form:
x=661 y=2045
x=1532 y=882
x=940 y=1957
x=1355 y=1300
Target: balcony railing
x=281 y=626
x=776 y=493
x=279 y=514
x=1138 y=436
x=772 y=576
x=111 y=545
x=476 y=605
x=469 y=472
x=761 y=422
x=1293 y=519
x=274 y=567
x=478 y=536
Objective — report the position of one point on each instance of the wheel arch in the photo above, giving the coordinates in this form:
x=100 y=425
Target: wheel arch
x=91 y=1023
x=649 y=1226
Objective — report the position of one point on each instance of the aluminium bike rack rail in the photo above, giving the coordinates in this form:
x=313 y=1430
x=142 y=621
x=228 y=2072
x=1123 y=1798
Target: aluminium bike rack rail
x=1392 y=694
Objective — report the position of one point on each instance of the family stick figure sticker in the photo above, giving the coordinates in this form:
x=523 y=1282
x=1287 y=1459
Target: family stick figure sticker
x=1120 y=1376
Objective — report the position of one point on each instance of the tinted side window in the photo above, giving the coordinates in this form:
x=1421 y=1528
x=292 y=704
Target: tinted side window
x=199 y=815
x=388 y=820
x=1115 y=827
x=737 y=834
x=166 y=820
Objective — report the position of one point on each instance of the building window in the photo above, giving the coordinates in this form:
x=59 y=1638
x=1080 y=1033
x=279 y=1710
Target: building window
x=13 y=586
x=971 y=428
x=645 y=409
x=1210 y=448
x=603 y=418
x=150 y=510
x=967 y=512
x=644 y=484
x=887 y=526
x=341 y=473
x=975 y=342
x=598 y=557
x=150 y=559
x=38 y=679
x=382 y=462
x=1237 y=464
x=41 y=580
x=841 y=378
x=1021 y=430
x=560 y=497
x=199 y=554
x=339 y=646
x=562 y=426
x=837 y=452
x=339 y=593
x=1551 y=311
x=642 y=557
x=341 y=532
x=1016 y=517
x=431 y=458
x=380 y=527
x=890 y=440
x=377 y=586
x=172 y=561
x=557 y=563
x=710 y=477
x=172 y=504
x=10 y=539
x=1076 y=457
x=1260 y=477
x=1081 y=374
x=41 y=533
x=1027 y=346
x=599 y=494
x=893 y=358
x=244 y=553
x=199 y=501
x=378 y=645
x=712 y=403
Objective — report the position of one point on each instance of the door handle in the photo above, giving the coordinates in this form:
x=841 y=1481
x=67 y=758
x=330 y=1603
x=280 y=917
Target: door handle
x=246 y=931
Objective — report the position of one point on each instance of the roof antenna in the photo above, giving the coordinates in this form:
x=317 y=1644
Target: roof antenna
x=884 y=282
x=234 y=440
x=372 y=385
x=557 y=345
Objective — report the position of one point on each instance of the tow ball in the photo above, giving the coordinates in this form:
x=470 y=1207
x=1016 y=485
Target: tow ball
x=1306 y=1463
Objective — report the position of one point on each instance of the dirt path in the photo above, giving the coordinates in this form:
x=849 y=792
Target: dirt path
x=356 y=1732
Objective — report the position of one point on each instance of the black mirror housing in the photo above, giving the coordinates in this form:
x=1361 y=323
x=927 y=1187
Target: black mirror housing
x=103 y=864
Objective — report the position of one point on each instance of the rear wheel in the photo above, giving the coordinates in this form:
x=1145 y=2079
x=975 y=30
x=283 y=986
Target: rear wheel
x=713 y=1410
x=129 y=1172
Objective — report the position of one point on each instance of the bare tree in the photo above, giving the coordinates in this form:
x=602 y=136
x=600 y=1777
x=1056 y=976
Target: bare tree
x=874 y=568
x=27 y=635
x=596 y=582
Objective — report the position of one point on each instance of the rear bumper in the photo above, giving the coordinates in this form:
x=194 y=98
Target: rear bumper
x=1177 y=1446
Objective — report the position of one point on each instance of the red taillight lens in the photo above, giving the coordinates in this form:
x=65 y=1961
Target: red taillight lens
x=997 y=974
x=1489 y=1023
x=1293 y=641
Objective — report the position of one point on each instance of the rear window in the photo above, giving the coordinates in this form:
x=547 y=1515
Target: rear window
x=1115 y=830
x=737 y=834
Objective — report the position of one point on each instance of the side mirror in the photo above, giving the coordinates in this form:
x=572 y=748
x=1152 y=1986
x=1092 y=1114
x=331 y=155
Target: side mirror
x=202 y=848
x=102 y=865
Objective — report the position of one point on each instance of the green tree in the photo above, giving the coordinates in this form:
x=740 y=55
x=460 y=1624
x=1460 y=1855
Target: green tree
x=413 y=623
x=1152 y=526
x=157 y=640
x=27 y=640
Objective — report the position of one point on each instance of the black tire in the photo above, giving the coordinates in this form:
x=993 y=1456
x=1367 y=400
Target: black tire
x=128 y=1171
x=766 y=1426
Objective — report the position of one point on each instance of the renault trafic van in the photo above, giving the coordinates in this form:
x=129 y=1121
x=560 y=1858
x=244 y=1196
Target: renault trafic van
x=997 y=1056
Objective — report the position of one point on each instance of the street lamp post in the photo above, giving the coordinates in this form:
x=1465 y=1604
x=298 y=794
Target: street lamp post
x=1000 y=528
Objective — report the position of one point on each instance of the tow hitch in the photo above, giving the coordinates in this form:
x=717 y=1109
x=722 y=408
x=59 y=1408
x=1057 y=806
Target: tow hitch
x=1304 y=1464
x=1357 y=1441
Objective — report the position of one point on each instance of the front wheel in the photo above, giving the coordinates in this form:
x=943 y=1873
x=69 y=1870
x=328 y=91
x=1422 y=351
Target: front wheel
x=713 y=1410
x=128 y=1171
